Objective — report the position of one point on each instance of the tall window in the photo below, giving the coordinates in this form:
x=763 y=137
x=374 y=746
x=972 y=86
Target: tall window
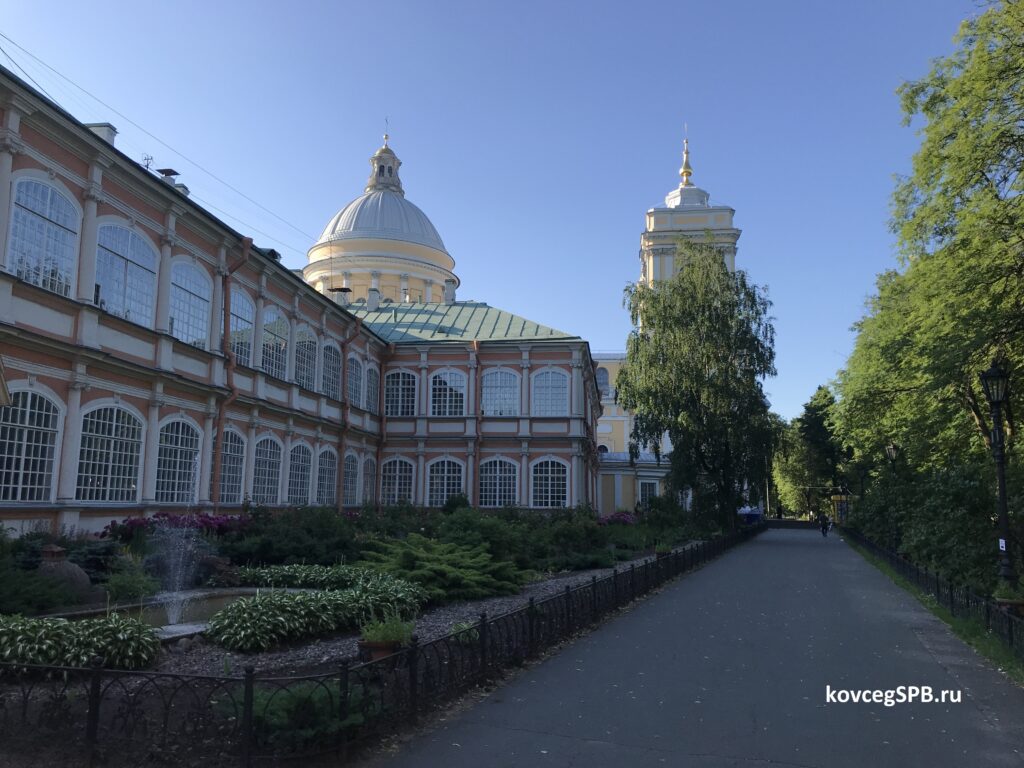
x=126 y=274
x=550 y=394
x=448 y=394
x=395 y=481
x=331 y=374
x=190 y=305
x=499 y=393
x=275 y=343
x=28 y=439
x=266 y=480
x=44 y=237
x=499 y=479
x=327 y=478
x=305 y=359
x=549 y=484
x=400 y=394
x=350 y=481
x=232 y=466
x=243 y=320
x=300 y=460
x=108 y=460
x=372 y=390
x=444 y=481
x=602 y=381
x=355 y=382
x=648 y=491
x=369 y=481
x=177 y=464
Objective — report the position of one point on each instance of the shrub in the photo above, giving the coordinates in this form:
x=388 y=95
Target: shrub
x=397 y=521
x=301 y=535
x=118 y=641
x=505 y=539
x=301 y=576
x=391 y=629
x=446 y=571
x=131 y=583
x=28 y=591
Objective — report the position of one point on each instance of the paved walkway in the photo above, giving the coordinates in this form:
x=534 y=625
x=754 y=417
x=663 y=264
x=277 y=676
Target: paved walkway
x=728 y=667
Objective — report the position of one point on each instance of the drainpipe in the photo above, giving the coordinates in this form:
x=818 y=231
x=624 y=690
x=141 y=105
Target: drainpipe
x=222 y=411
x=348 y=406
x=473 y=492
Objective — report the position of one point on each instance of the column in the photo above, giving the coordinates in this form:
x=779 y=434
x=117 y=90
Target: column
x=428 y=291
x=470 y=487
x=217 y=305
x=68 y=473
x=10 y=145
x=420 y=490
x=206 y=456
x=403 y=286
x=250 y=456
x=524 y=477
x=576 y=389
x=375 y=280
x=575 y=490
x=286 y=467
x=257 y=334
x=90 y=239
x=424 y=386
x=152 y=447
x=163 y=283
x=293 y=331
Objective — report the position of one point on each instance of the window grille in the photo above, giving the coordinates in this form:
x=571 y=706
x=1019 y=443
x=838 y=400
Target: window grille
x=448 y=394
x=549 y=484
x=275 y=343
x=327 y=478
x=369 y=481
x=355 y=382
x=243 y=321
x=499 y=481
x=499 y=393
x=299 y=466
x=551 y=394
x=400 y=394
x=44 y=237
x=331 y=374
x=305 y=359
x=28 y=439
x=190 y=305
x=444 y=481
x=396 y=481
x=350 y=482
x=177 y=464
x=267 y=472
x=372 y=390
x=108 y=459
x=126 y=274
x=232 y=467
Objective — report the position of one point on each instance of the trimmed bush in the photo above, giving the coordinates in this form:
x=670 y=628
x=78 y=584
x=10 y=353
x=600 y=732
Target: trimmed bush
x=118 y=641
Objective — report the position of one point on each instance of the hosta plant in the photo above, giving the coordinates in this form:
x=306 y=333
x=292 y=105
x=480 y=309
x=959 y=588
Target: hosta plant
x=115 y=640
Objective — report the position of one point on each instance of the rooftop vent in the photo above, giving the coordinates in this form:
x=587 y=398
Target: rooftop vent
x=373 y=300
x=105 y=131
x=168 y=175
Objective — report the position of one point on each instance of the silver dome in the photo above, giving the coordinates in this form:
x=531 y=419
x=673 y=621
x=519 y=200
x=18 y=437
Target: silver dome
x=384 y=214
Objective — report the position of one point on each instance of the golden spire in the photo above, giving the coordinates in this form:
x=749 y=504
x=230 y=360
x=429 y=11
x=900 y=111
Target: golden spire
x=386 y=137
x=687 y=170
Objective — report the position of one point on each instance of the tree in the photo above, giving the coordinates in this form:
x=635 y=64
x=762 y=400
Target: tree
x=702 y=342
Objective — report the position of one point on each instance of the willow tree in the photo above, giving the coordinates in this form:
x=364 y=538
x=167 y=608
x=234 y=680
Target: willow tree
x=702 y=343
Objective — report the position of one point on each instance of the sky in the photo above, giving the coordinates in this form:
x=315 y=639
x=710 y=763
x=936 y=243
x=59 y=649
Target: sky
x=535 y=135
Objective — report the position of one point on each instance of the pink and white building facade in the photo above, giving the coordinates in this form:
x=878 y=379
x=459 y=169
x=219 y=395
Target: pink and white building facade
x=155 y=359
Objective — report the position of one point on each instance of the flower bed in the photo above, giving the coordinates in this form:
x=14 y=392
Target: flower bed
x=117 y=641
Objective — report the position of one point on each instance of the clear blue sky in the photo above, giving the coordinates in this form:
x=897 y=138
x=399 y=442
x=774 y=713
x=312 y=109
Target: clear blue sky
x=535 y=135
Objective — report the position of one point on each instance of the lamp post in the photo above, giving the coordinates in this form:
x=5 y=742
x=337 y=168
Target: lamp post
x=996 y=383
x=892 y=452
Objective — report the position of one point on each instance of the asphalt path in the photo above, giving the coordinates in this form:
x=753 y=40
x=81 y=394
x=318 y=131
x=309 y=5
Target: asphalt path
x=728 y=666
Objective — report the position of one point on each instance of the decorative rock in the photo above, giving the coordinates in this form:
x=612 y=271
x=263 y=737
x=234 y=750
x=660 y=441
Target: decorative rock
x=70 y=575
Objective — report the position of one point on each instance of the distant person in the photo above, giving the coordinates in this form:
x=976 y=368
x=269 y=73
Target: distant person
x=825 y=524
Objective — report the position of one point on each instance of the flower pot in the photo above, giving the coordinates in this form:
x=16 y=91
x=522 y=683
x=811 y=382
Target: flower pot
x=379 y=649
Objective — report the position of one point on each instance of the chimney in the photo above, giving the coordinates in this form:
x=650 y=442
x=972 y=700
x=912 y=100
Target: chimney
x=181 y=188
x=105 y=131
x=168 y=176
x=449 y=291
x=373 y=300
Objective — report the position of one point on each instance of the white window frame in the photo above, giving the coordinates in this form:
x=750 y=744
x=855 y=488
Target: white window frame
x=369 y=481
x=511 y=408
x=36 y=261
x=299 y=487
x=241 y=346
x=605 y=390
x=274 y=343
x=305 y=361
x=534 y=465
x=327 y=477
x=446 y=403
x=546 y=408
x=441 y=486
x=177 y=478
x=257 y=495
x=234 y=459
x=486 y=494
x=350 y=480
x=644 y=484
x=354 y=381
x=136 y=276
x=29 y=445
x=396 y=397
x=83 y=492
x=187 y=306
x=330 y=374
x=372 y=387
x=391 y=496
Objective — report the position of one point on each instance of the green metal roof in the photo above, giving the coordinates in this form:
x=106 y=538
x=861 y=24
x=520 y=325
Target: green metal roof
x=462 y=321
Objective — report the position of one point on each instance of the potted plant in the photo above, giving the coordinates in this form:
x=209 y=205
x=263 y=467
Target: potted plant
x=1010 y=597
x=384 y=637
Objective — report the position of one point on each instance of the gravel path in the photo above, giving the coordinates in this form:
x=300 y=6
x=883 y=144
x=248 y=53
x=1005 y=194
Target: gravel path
x=197 y=656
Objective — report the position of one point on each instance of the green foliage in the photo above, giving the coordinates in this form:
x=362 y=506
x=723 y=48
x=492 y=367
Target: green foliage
x=130 y=582
x=97 y=557
x=28 y=591
x=446 y=571
x=701 y=345
x=390 y=629
x=505 y=538
x=300 y=576
x=302 y=716
x=465 y=632
x=396 y=521
x=299 y=535
x=116 y=640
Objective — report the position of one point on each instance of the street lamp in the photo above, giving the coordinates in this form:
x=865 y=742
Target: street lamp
x=996 y=383
x=892 y=451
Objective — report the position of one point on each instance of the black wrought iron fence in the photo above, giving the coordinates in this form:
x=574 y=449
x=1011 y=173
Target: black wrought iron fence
x=78 y=716
x=960 y=600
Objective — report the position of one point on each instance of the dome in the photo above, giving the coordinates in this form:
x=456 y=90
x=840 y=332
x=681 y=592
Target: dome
x=385 y=214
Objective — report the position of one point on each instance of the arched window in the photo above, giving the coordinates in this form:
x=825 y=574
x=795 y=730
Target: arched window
x=126 y=274
x=602 y=381
x=275 y=343
x=28 y=440
x=300 y=460
x=499 y=481
x=369 y=481
x=44 y=237
x=602 y=449
x=448 y=394
x=396 y=481
x=550 y=393
x=550 y=486
x=190 y=304
x=305 y=359
x=177 y=463
x=327 y=478
x=355 y=382
x=444 y=480
x=350 y=481
x=400 y=394
x=372 y=390
x=243 y=320
x=266 y=482
x=232 y=467
x=108 y=459
x=330 y=384
x=499 y=393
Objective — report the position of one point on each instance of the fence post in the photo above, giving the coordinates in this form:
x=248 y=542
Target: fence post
x=568 y=611
x=343 y=707
x=92 y=721
x=952 y=600
x=593 y=599
x=615 y=587
x=988 y=616
x=414 y=682
x=483 y=643
x=632 y=582
x=247 y=705
x=531 y=629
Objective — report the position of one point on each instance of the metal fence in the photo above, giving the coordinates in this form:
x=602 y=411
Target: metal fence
x=960 y=600
x=75 y=716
